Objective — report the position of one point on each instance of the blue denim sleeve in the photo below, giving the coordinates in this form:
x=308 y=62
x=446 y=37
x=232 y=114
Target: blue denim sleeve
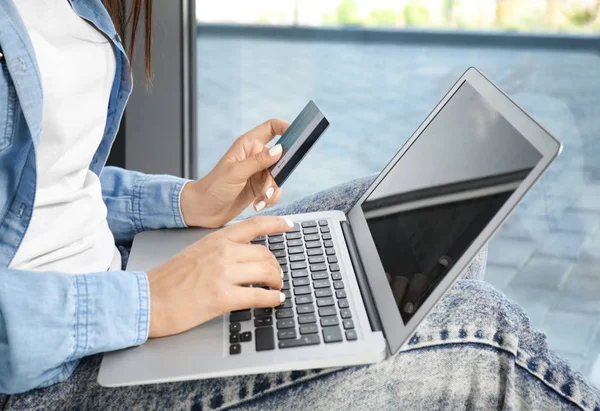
x=139 y=202
x=48 y=321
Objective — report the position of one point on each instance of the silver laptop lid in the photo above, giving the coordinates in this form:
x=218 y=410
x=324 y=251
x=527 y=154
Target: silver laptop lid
x=441 y=198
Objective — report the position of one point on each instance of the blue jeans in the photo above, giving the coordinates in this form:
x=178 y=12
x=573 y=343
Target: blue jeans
x=475 y=350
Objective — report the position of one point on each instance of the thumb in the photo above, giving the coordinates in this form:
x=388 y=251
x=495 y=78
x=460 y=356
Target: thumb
x=259 y=162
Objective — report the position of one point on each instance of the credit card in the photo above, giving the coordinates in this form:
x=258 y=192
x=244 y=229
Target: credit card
x=298 y=139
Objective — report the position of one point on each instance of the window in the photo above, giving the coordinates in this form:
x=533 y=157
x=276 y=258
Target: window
x=377 y=68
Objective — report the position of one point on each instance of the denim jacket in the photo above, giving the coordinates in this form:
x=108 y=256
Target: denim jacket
x=50 y=320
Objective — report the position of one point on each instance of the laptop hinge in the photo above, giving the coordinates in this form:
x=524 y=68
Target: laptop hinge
x=361 y=277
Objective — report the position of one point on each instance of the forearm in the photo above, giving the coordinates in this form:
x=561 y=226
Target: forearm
x=51 y=320
x=139 y=202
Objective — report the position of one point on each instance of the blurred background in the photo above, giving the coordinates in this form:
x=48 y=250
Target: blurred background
x=376 y=68
x=517 y=15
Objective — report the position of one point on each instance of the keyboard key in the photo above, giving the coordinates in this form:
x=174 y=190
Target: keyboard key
x=298 y=282
x=295 y=250
x=299 y=273
x=286 y=277
x=307 y=319
x=294 y=243
x=340 y=294
x=287 y=293
x=310 y=339
x=324 y=229
x=260 y=239
x=322 y=284
x=263 y=321
x=297 y=257
x=304 y=299
x=309 y=329
x=237 y=316
x=289 y=323
x=348 y=324
x=235 y=327
x=312 y=237
x=336 y=276
x=313 y=244
x=332 y=334
x=332 y=259
x=328 y=244
x=338 y=285
x=325 y=302
x=316 y=259
x=318 y=267
x=286 y=334
x=282 y=261
x=343 y=303
x=293 y=236
x=262 y=312
x=295 y=228
x=320 y=275
x=312 y=230
x=275 y=247
x=286 y=285
x=307 y=224
x=235 y=349
x=305 y=309
x=286 y=304
x=246 y=336
x=327 y=311
x=284 y=268
x=351 y=335
x=285 y=313
x=329 y=321
x=345 y=313
x=326 y=236
x=330 y=251
x=323 y=223
x=323 y=292
x=279 y=253
x=334 y=267
x=302 y=290
x=298 y=265
x=234 y=337
x=314 y=251
x=276 y=240
x=265 y=339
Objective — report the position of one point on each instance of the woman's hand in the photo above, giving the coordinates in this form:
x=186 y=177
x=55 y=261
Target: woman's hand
x=207 y=279
x=239 y=178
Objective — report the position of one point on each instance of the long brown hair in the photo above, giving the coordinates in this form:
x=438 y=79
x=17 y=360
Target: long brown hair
x=126 y=22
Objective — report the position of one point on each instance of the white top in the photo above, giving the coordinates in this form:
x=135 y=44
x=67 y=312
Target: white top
x=68 y=231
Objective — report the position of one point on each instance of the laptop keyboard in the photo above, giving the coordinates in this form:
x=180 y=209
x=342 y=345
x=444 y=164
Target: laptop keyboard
x=316 y=308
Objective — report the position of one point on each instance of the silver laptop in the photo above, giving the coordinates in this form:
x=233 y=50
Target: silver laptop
x=358 y=284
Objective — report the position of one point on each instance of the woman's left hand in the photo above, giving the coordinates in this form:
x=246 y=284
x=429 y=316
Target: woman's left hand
x=241 y=177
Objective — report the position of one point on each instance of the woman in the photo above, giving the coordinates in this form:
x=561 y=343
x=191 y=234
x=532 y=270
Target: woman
x=63 y=296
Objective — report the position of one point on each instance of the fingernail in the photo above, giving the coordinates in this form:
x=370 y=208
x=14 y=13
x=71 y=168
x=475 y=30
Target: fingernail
x=281 y=273
x=281 y=297
x=276 y=149
x=269 y=192
x=260 y=205
x=289 y=222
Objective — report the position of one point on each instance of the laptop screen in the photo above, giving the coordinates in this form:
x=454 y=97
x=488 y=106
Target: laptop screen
x=442 y=192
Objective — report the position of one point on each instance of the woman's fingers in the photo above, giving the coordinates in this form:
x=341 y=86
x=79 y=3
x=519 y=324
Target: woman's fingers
x=245 y=231
x=245 y=253
x=257 y=272
x=256 y=297
x=266 y=192
x=246 y=168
